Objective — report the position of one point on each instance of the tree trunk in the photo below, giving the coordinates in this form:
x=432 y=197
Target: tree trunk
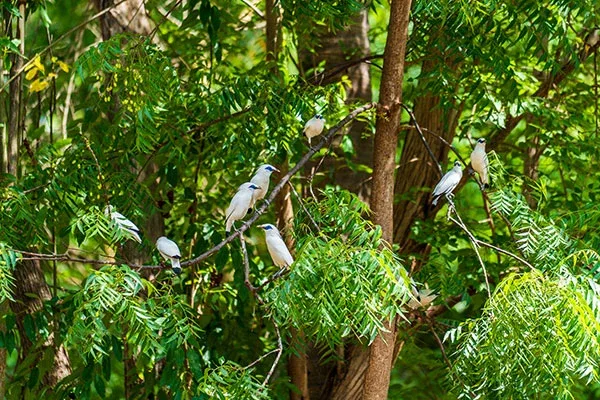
x=127 y=16
x=377 y=375
x=414 y=202
x=15 y=95
x=31 y=291
x=336 y=49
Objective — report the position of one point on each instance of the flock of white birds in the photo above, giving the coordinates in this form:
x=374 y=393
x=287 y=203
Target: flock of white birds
x=249 y=193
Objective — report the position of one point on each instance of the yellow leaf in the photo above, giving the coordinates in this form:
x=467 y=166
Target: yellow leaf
x=54 y=59
x=63 y=66
x=38 y=64
x=52 y=75
x=31 y=74
x=38 y=85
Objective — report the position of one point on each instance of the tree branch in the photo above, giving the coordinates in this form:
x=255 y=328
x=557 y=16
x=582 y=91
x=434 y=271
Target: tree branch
x=261 y=210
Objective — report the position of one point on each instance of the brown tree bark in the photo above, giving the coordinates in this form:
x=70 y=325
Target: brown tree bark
x=127 y=16
x=377 y=375
x=413 y=202
x=335 y=49
x=15 y=95
x=31 y=291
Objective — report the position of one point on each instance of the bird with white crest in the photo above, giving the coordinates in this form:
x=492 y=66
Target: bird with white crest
x=170 y=251
x=448 y=183
x=479 y=161
x=277 y=249
x=314 y=127
x=122 y=223
x=239 y=205
x=261 y=178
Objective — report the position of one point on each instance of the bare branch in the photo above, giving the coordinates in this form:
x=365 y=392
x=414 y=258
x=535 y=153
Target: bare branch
x=304 y=208
x=247 y=268
x=279 y=352
x=473 y=240
x=418 y=128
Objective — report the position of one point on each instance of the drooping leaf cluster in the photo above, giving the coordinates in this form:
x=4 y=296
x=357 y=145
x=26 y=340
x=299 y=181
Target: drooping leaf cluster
x=345 y=281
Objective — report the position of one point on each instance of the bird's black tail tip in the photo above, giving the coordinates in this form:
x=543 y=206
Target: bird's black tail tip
x=249 y=210
x=177 y=271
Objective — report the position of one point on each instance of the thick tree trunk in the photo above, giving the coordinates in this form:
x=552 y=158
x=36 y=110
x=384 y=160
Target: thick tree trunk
x=127 y=16
x=31 y=291
x=337 y=49
x=377 y=375
x=413 y=202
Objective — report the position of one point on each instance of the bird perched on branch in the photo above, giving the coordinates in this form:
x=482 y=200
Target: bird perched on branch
x=448 y=183
x=122 y=223
x=591 y=40
x=169 y=250
x=479 y=161
x=261 y=179
x=314 y=127
x=240 y=203
x=277 y=249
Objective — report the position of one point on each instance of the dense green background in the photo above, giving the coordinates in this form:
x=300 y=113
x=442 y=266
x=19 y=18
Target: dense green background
x=169 y=104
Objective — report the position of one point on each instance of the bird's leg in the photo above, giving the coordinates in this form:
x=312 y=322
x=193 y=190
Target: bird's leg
x=279 y=273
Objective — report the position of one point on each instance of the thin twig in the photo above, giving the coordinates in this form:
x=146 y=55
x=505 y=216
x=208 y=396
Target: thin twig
x=164 y=18
x=279 y=352
x=252 y=364
x=447 y=360
x=325 y=75
x=254 y=8
x=100 y=175
x=247 y=266
x=474 y=243
x=508 y=253
x=441 y=345
x=418 y=128
x=205 y=125
x=304 y=208
x=279 y=274
x=441 y=139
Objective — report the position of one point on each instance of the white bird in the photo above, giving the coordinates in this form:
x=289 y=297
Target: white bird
x=169 y=250
x=448 y=183
x=314 y=127
x=277 y=249
x=238 y=208
x=261 y=179
x=421 y=298
x=479 y=161
x=123 y=223
x=592 y=39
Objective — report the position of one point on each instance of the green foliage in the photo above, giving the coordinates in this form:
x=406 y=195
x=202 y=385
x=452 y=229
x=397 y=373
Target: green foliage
x=537 y=238
x=536 y=336
x=230 y=381
x=8 y=262
x=344 y=281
